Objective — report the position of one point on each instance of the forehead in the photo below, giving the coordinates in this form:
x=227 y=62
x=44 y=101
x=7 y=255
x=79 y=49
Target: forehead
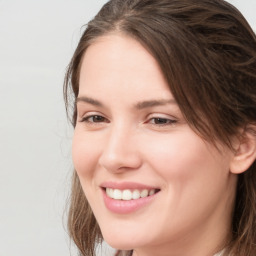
x=120 y=63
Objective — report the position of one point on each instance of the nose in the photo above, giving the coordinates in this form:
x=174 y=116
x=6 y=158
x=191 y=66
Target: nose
x=120 y=151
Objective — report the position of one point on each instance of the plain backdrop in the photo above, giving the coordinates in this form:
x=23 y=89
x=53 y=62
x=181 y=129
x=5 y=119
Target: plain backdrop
x=37 y=39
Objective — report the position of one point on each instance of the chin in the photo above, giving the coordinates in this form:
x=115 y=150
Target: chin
x=125 y=240
x=119 y=242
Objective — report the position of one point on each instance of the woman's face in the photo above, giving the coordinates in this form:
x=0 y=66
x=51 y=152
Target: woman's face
x=132 y=142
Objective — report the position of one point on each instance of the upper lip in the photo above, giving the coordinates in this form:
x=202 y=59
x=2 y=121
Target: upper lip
x=126 y=185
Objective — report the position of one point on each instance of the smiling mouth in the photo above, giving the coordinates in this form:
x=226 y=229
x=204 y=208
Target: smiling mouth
x=128 y=194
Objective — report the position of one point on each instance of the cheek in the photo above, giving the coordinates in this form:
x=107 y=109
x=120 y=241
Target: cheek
x=183 y=159
x=173 y=155
x=194 y=174
x=84 y=154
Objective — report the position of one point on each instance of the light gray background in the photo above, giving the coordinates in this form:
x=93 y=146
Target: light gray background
x=37 y=39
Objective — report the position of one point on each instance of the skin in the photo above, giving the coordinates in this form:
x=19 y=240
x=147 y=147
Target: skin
x=191 y=214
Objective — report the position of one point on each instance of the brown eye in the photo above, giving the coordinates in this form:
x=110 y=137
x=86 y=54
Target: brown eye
x=98 y=119
x=161 y=121
x=94 y=119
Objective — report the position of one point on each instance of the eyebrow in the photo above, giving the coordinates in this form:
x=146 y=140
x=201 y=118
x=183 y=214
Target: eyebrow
x=154 y=103
x=139 y=105
x=89 y=100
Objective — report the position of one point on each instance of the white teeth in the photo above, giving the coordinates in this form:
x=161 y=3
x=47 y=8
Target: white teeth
x=151 y=192
x=144 y=193
x=110 y=192
x=136 y=194
x=128 y=194
x=117 y=194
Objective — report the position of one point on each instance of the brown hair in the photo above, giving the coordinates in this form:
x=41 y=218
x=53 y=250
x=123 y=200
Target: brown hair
x=207 y=53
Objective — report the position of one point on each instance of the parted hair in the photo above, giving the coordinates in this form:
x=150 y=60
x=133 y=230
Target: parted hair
x=207 y=53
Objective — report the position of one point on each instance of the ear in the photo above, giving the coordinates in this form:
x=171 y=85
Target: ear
x=245 y=151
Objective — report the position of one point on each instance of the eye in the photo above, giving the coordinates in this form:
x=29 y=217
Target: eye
x=94 y=119
x=161 y=121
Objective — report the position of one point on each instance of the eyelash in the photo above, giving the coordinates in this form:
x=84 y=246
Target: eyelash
x=162 y=121
x=86 y=119
x=155 y=121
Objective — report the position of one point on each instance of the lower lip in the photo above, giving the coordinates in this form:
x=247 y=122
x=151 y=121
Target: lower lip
x=123 y=206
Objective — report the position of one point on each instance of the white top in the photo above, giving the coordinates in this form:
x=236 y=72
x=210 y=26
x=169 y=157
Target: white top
x=219 y=253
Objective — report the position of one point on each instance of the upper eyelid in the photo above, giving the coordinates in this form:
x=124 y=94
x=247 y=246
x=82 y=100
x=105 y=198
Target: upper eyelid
x=87 y=115
x=166 y=118
x=84 y=113
x=91 y=116
x=150 y=116
x=171 y=120
x=161 y=115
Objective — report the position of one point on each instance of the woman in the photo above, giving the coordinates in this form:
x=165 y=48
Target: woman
x=164 y=144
